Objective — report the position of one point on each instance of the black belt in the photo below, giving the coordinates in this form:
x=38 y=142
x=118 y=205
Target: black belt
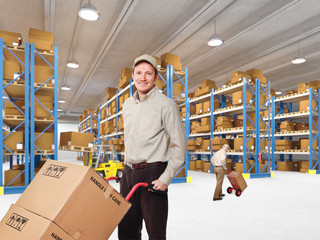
x=144 y=165
x=217 y=166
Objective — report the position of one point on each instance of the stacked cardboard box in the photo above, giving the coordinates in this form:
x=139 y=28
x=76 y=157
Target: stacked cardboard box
x=238 y=76
x=283 y=144
x=193 y=165
x=110 y=92
x=199 y=165
x=192 y=111
x=10 y=109
x=292 y=91
x=45 y=141
x=304 y=105
x=285 y=166
x=304 y=166
x=295 y=144
x=194 y=126
x=206 y=166
x=118 y=144
x=287 y=126
x=13 y=140
x=11 y=38
x=120 y=123
x=206 y=86
x=224 y=122
x=178 y=88
x=217 y=143
x=302 y=126
x=11 y=69
x=257 y=74
x=43 y=74
x=302 y=87
x=39 y=110
x=191 y=145
x=304 y=144
x=237 y=97
x=171 y=59
x=238 y=144
x=41 y=39
x=198 y=143
x=204 y=126
x=126 y=75
x=76 y=139
x=64 y=210
x=239 y=167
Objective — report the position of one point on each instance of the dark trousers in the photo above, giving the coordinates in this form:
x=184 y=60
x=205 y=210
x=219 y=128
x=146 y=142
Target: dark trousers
x=146 y=205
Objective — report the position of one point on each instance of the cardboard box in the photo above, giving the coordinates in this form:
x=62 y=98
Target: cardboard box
x=236 y=73
x=45 y=141
x=41 y=39
x=178 y=88
x=11 y=38
x=10 y=108
x=239 y=167
x=13 y=140
x=78 y=200
x=302 y=126
x=43 y=73
x=199 y=165
x=11 y=69
x=237 y=97
x=199 y=141
x=171 y=59
x=19 y=223
x=285 y=166
x=193 y=165
x=192 y=148
x=110 y=92
x=17 y=175
x=238 y=180
x=217 y=143
x=292 y=91
x=206 y=167
x=208 y=83
x=205 y=145
x=199 y=107
x=304 y=144
x=76 y=139
x=197 y=92
x=191 y=142
x=302 y=87
x=257 y=74
x=161 y=84
x=238 y=144
x=239 y=78
x=41 y=112
x=304 y=105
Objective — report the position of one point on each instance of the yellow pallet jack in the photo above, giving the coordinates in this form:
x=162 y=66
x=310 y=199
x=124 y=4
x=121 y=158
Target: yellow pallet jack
x=104 y=162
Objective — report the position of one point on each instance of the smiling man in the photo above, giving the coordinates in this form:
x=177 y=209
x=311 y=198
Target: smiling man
x=156 y=146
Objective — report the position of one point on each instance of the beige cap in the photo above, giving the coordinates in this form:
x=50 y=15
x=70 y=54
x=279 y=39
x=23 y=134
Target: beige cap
x=226 y=145
x=146 y=57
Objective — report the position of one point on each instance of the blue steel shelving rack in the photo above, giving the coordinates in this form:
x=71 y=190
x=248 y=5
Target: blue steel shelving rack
x=254 y=106
x=312 y=134
x=21 y=158
x=36 y=153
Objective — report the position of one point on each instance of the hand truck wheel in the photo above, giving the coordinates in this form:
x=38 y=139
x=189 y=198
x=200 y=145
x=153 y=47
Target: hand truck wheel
x=229 y=190
x=238 y=193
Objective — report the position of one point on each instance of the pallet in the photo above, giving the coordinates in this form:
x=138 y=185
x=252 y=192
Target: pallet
x=42 y=152
x=13 y=117
x=165 y=70
x=75 y=148
x=47 y=85
x=43 y=118
x=16 y=152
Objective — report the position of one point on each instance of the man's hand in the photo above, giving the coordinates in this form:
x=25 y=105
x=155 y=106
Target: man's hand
x=158 y=185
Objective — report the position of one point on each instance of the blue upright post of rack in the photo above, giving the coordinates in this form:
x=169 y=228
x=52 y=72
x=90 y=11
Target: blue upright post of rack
x=244 y=113
x=55 y=107
x=1 y=117
x=211 y=126
x=273 y=126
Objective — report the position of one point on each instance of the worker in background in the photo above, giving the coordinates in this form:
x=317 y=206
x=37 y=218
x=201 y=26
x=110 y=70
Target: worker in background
x=155 y=150
x=219 y=162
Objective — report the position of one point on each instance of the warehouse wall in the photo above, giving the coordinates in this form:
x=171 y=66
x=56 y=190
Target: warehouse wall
x=66 y=127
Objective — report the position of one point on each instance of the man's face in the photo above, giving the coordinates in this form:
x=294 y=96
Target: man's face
x=144 y=77
x=226 y=149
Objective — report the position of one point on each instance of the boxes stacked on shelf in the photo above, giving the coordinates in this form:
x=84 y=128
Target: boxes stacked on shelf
x=257 y=74
x=237 y=97
x=287 y=126
x=224 y=122
x=304 y=105
x=204 y=125
x=45 y=141
x=284 y=166
x=192 y=111
x=110 y=92
x=199 y=165
x=283 y=144
x=192 y=165
x=192 y=145
x=10 y=109
x=118 y=144
x=302 y=126
x=217 y=143
x=238 y=76
x=11 y=70
x=178 y=88
x=11 y=38
x=109 y=128
x=194 y=126
x=123 y=98
x=206 y=86
x=199 y=141
x=126 y=75
x=41 y=109
x=304 y=144
x=292 y=91
x=13 y=140
x=120 y=123
x=43 y=73
x=239 y=167
x=161 y=84
x=304 y=166
x=302 y=87
x=41 y=39
x=238 y=144
x=171 y=59
x=76 y=139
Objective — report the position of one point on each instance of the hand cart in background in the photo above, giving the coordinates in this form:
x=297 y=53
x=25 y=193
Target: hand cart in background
x=237 y=182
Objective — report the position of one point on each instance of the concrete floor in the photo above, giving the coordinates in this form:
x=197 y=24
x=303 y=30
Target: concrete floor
x=283 y=207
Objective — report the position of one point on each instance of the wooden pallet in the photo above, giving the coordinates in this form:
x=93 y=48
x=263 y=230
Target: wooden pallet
x=47 y=85
x=75 y=148
x=42 y=152
x=13 y=117
x=16 y=152
x=43 y=118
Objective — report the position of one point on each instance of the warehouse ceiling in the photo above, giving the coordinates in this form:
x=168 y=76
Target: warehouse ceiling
x=262 y=34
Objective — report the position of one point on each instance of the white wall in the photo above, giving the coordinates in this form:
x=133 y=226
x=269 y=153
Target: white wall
x=66 y=127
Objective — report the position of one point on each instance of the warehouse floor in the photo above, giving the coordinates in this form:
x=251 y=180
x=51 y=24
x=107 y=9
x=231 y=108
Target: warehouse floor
x=283 y=207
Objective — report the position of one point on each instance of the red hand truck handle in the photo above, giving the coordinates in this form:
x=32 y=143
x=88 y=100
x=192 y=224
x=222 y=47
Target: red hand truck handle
x=112 y=178
x=134 y=189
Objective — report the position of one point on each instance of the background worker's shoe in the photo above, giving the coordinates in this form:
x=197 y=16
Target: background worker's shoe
x=219 y=198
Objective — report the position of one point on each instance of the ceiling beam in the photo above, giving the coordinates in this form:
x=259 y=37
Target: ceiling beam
x=119 y=23
x=49 y=9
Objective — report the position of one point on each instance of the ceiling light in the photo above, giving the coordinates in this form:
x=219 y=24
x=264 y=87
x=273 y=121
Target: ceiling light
x=89 y=12
x=278 y=92
x=73 y=63
x=60 y=110
x=65 y=87
x=299 y=58
x=215 y=40
x=61 y=100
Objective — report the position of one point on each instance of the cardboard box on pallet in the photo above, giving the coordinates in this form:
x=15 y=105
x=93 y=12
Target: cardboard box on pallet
x=79 y=201
x=237 y=97
x=283 y=144
x=193 y=165
x=208 y=83
x=284 y=166
x=292 y=91
x=11 y=38
x=10 y=109
x=45 y=141
x=257 y=74
x=197 y=92
x=41 y=39
x=199 y=165
x=238 y=144
x=178 y=88
x=199 y=107
x=239 y=78
x=304 y=105
x=76 y=139
x=287 y=126
x=126 y=75
x=206 y=167
x=11 y=69
x=19 y=223
x=304 y=144
x=43 y=73
x=239 y=167
x=17 y=174
x=217 y=143
x=302 y=87
x=171 y=59
x=302 y=126
x=205 y=145
x=110 y=92
x=13 y=140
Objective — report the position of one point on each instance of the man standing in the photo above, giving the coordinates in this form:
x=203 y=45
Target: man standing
x=155 y=150
x=219 y=162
